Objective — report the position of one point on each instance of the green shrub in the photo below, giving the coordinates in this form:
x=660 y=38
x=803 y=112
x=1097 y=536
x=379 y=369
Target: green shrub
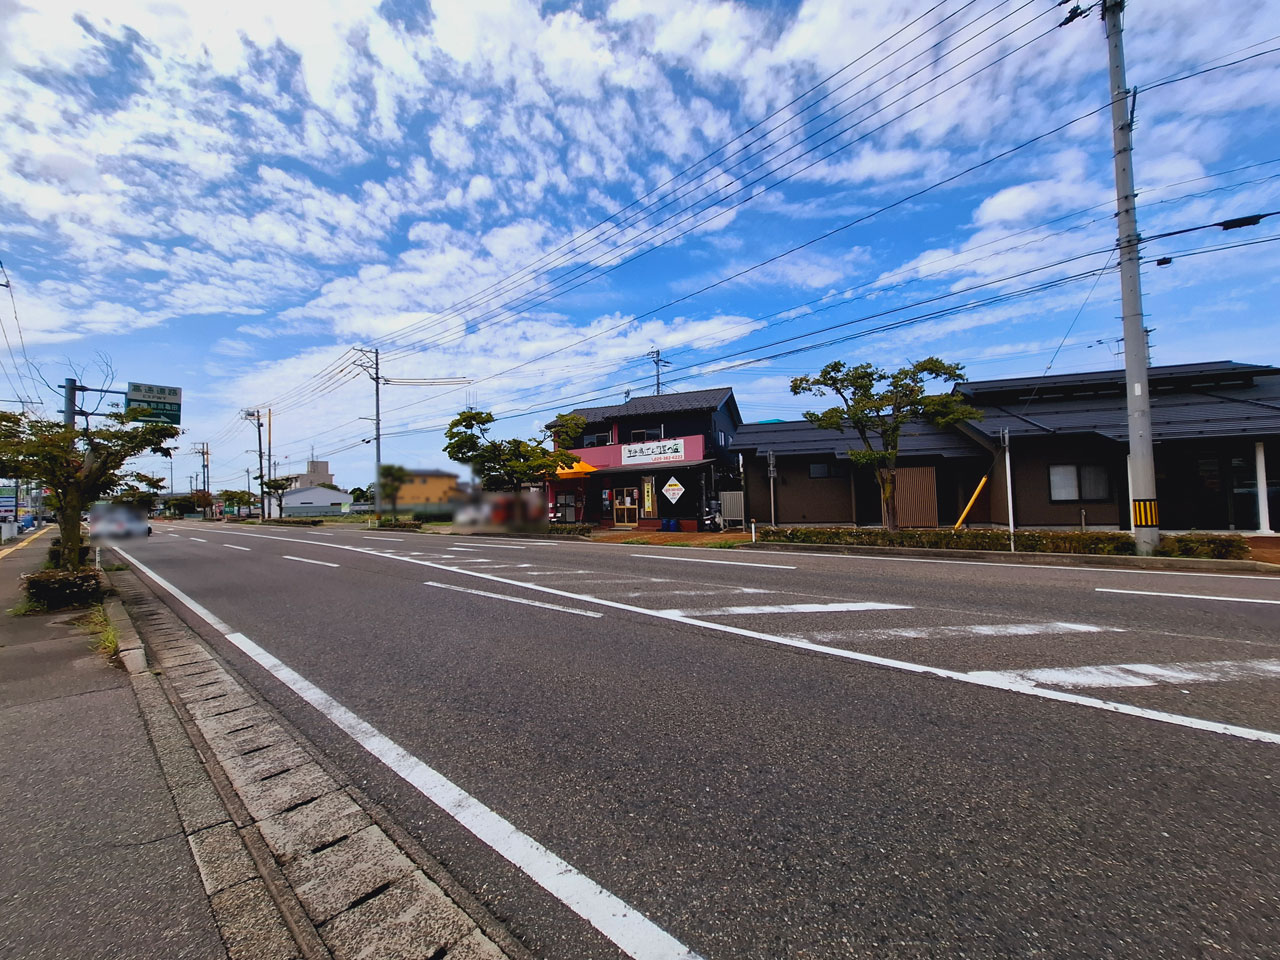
x=59 y=589
x=434 y=516
x=1090 y=542
x=569 y=529
x=295 y=521
x=398 y=525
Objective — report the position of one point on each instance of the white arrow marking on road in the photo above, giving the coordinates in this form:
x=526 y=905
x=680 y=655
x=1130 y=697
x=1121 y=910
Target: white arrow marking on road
x=1185 y=596
x=503 y=596
x=321 y=563
x=731 y=563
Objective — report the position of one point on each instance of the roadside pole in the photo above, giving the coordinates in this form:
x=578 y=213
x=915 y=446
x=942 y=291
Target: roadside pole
x=1008 y=486
x=1142 y=490
x=256 y=417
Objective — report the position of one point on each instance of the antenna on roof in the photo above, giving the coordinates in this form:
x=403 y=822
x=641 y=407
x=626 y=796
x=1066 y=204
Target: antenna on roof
x=626 y=395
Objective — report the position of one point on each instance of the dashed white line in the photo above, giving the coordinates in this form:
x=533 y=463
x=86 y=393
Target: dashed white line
x=234 y=547
x=790 y=608
x=503 y=596
x=969 y=630
x=321 y=563
x=730 y=563
x=488 y=546
x=1141 y=674
x=396 y=539
x=199 y=540
x=630 y=930
x=1185 y=596
x=178 y=535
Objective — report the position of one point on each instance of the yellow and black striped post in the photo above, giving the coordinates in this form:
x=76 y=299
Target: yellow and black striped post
x=1145 y=513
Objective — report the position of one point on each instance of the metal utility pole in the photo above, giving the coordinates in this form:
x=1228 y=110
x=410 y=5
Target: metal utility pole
x=658 y=363
x=256 y=417
x=1142 y=477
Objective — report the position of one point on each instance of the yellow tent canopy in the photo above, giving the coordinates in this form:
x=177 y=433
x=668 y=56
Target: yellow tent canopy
x=578 y=470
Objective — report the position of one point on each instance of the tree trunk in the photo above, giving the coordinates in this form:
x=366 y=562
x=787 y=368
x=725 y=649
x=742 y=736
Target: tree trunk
x=69 y=529
x=888 y=497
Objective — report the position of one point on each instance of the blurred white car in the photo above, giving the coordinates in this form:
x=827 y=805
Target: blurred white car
x=118 y=524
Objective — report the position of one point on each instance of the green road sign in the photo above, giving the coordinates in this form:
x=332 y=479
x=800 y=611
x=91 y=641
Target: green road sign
x=165 y=403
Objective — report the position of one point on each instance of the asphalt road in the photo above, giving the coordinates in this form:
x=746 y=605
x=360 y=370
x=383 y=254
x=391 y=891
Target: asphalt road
x=777 y=755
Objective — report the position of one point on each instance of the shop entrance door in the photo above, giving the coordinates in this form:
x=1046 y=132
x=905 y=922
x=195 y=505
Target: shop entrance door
x=626 y=506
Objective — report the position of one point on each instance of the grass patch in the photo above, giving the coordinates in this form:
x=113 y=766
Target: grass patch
x=108 y=638
x=635 y=540
x=723 y=544
x=26 y=607
x=112 y=567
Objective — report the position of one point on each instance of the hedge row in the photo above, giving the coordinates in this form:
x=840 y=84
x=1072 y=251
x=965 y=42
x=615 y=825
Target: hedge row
x=295 y=521
x=60 y=589
x=570 y=529
x=1094 y=542
x=398 y=525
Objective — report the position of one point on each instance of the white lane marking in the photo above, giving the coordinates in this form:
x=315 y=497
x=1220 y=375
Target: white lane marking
x=994 y=683
x=790 y=608
x=546 y=543
x=317 y=533
x=198 y=540
x=1062 y=567
x=1185 y=596
x=234 y=547
x=973 y=630
x=630 y=930
x=463 y=549
x=396 y=539
x=468 y=559
x=526 y=602
x=322 y=563
x=1142 y=674
x=179 y=536
x=488 y=546
x=730 y=563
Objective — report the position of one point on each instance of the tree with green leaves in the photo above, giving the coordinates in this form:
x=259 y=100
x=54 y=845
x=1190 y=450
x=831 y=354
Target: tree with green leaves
x=511 y=465
x=360 y=494
x=81 y=466
x=391 y=477
x=277 y=487
x=236 y=498
x=329 y=486
x=877 y=404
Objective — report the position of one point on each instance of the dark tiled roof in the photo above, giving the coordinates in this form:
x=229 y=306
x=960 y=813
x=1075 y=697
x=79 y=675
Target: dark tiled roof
x=1187 y=401
x=799 y=437
x=432 y=473
x=692 y=401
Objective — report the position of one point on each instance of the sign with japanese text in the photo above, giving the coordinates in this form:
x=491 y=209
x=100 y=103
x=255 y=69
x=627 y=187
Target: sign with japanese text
x=673 y=488
x=165 y=403
x=653 y=451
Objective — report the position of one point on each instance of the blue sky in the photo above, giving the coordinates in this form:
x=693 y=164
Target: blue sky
x=229 y=197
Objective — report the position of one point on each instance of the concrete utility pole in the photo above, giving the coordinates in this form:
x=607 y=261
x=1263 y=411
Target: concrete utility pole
x=1142 y=477
x=69 y=391
x=374 y=370
x=256 y=417
x=658 y=363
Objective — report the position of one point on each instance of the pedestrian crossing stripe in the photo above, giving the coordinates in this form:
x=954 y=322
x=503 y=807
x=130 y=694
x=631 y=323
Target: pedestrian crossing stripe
x=1145 y=513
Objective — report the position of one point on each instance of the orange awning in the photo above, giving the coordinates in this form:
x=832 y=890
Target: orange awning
x=577 y=471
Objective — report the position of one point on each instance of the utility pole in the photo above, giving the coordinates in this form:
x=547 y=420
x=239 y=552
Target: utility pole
x=256 y=417
x=374 y=369
x=202 y=449
x=271 y=474
x=658 y=363
x=1142 y=476
x=69 y=391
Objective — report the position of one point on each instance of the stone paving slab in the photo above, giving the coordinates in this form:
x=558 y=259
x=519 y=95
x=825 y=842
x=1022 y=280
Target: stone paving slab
x=336 y=868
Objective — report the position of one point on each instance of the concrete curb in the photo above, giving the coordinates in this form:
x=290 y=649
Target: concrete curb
x=344 y=882
x=1045 y=559
x=132 y=655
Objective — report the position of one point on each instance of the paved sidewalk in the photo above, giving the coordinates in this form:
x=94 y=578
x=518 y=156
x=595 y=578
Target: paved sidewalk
x=94 y=861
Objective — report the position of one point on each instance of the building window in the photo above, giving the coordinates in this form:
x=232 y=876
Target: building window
x=819 y=471
x=1076 y=482
x=640 y=436
x=595 y=440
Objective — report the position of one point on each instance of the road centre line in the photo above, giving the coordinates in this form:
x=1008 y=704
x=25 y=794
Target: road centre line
x=994 y=683
x=792 y=608
x=322 y=563
x=730 y=563
x=627 y=928
x=525 y=601
x=234 y=547
x=1185 y=596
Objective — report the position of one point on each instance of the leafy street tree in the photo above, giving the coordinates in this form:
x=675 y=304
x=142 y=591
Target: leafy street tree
x=510 y=465
x=203 y=500
x=360 y=495
x=391 y=478
x=182 y=505
x=330 y=486
x=236 y=498
x=80 y=466
x=877 y=404
x=277 y=487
